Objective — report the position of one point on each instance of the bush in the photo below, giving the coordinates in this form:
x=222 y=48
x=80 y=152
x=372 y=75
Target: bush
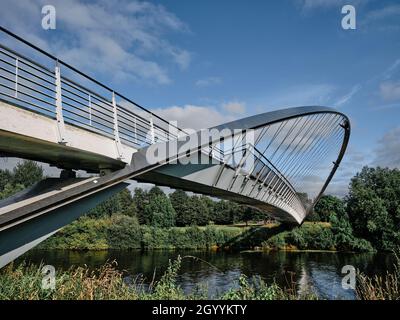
x=159 y=212
x=124 y=233
x=374 y=206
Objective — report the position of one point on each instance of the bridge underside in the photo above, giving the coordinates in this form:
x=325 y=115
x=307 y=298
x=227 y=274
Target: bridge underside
x=29 y=135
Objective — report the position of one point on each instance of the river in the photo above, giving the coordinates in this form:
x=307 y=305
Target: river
x=219 y=271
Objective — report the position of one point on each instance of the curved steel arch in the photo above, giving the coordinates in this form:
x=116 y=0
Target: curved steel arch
x=253 y=122
x=267 y=118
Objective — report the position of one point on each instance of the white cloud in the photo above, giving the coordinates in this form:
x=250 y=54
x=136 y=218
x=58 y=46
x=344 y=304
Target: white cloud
x=347 y=97
x=381 y=19
x=194 y=117
x=201 y=117
x=210 y=81
x=235 y=107
x=309 y=5
x=382 y=13
x=387 y=154
x=388 y=73
x=390 y=91
x=125 y=40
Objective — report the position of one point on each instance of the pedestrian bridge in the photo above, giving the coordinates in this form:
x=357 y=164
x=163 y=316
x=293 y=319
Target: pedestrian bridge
x=280 y=162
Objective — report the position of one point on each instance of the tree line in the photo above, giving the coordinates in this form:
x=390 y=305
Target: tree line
x=368 y=216
x=178 y=209
x=370 y=211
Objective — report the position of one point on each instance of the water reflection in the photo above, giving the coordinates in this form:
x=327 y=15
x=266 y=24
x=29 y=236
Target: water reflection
x=218 y=272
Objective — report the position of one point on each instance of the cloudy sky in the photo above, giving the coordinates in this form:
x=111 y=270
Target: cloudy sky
x=207 y=62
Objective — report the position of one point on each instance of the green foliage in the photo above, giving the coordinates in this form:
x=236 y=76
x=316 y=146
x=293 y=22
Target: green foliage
x=226 y=212
x=154 y=192
x=159 y=212
x=380 y=287
x=6 y=177
x=124 y=233
x=24 y=175
x=27 y=173
x=10 y=189
x=250 y=214
x=83 y=234
x=199 y=211
x=121 y=202
x=24 y=282
x=368 y=219
x=167 y=287
x=329 y=205
x=140 y=200
x=374 y=206
x=336 y=235
x=256 y=289
x=184 y=214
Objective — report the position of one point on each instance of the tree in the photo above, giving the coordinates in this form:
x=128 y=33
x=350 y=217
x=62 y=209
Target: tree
x=140 y=200
x=159 y=212
x=329 y=205
x=5 y=178
x=225 y=212
x=199 y=214
x=180 y=202
x=119 y=203
x=155 y=191
x=24 y=175
x=190 y=210
x=373 y=206
x=251 y=214
x=27 y=173
x=126 y=205
x=10 y=189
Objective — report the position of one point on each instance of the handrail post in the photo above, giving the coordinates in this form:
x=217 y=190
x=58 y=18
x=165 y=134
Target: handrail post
x=135 y=127
x=116 y=131
x=59 y=113
x=90 y=108
x=16 y=77
x=152 y=137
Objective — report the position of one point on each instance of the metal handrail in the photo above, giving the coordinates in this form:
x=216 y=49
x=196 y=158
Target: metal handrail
x=61 y=62
x=75 y=97
x=40 y=72
x=248 y=147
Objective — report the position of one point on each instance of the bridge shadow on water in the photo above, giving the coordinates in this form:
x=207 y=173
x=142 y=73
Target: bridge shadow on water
x=255 y=236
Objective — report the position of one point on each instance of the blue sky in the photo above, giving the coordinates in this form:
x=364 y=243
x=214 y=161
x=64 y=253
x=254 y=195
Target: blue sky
x=205 y=62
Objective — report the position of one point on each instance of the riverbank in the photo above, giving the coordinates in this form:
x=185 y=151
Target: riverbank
x=24 y=282
x=124 y=232
x=200 y=275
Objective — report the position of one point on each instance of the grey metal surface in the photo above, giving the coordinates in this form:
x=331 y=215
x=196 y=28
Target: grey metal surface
x=18 y=238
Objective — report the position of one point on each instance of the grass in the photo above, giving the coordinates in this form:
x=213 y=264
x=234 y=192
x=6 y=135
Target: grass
x=24 y=282
x=386 y=287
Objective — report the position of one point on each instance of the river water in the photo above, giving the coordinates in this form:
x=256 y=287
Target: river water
x=219 y=271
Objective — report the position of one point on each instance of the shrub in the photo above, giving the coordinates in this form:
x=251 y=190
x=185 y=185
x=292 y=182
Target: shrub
x=124 y=233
